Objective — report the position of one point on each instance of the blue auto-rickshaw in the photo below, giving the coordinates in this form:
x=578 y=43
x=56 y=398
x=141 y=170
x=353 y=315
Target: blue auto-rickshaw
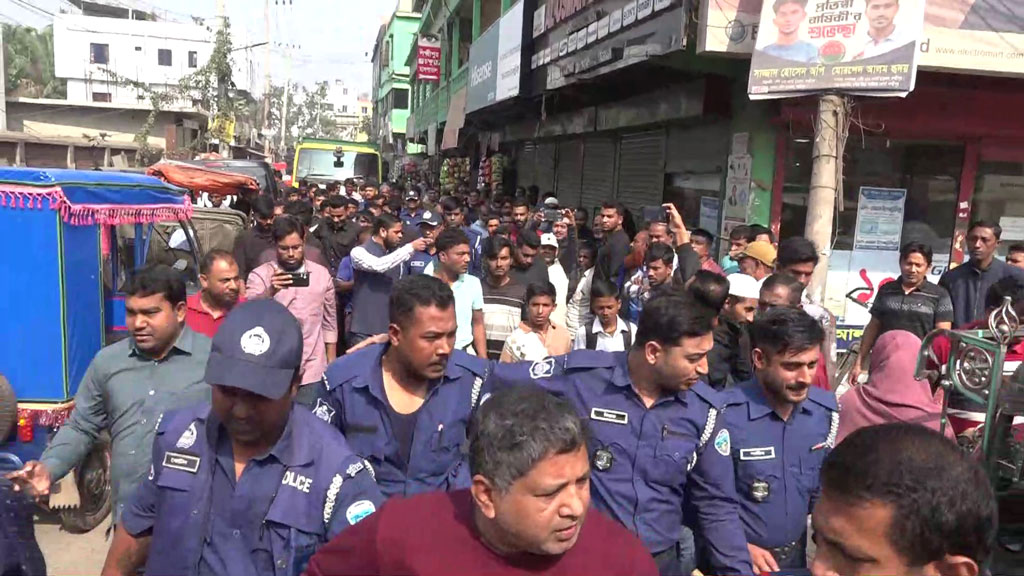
x=71 y=239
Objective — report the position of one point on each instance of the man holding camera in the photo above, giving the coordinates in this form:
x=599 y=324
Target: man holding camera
x=307 y=290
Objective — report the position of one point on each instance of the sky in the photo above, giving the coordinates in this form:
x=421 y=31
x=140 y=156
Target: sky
x=333 y=39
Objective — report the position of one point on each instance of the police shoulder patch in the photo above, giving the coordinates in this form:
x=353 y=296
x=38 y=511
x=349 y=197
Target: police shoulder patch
x=722 y=442
x=359 y=510
x=542 y=368
x=323 y=410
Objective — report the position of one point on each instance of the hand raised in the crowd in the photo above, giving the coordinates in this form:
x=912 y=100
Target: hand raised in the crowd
x=34 y=479
x=762 y=560
x=675 y=224
x=421 y=244
x=570 y=215
x=280 y=280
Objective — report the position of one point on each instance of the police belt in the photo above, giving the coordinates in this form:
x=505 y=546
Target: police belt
x=786 y=551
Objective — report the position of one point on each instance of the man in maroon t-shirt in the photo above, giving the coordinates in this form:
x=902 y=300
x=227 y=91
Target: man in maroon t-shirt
x=527 y=511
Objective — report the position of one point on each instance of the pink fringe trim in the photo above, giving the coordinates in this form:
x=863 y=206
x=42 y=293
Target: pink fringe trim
x=25 y=197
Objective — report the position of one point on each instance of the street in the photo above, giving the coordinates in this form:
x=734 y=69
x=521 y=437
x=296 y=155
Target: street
x=71 y=554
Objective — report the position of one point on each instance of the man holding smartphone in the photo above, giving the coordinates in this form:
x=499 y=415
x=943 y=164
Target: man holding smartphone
x=307 y=290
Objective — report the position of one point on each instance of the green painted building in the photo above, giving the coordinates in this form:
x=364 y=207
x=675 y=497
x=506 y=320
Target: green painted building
x=396 y=41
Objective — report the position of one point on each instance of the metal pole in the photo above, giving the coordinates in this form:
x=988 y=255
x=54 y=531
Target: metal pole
x=266 y=83
x=825 y=179
x=3 y=87
x=224 y=148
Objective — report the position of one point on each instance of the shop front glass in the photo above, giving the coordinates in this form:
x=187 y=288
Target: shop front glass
x=894 y=192
x=999 y=198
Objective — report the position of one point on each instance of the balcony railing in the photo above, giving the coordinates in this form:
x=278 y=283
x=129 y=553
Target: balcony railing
x=435 y=108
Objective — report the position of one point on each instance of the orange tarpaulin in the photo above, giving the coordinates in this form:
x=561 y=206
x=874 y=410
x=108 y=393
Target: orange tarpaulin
x=199 y=179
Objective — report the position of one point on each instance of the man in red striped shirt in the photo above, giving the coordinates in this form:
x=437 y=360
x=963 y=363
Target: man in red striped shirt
x=527 y=511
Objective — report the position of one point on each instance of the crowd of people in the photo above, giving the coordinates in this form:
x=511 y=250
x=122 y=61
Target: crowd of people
x=381 y=380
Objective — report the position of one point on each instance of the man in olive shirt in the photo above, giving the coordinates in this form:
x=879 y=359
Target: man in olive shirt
x=127 y=388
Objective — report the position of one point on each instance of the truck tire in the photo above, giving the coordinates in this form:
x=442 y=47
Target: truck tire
x=93 y=479
x=8 y=408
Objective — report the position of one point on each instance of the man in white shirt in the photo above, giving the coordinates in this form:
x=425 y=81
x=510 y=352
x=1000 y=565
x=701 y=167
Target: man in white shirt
x=557 y=277
x=881 y=16
x=608 y=332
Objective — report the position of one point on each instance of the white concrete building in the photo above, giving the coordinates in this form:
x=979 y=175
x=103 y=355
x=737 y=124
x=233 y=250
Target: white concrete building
x=159 y=54
x=349 y=108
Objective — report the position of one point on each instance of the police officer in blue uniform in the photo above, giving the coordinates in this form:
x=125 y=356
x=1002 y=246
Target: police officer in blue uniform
x=404 y=405
x=782 y=428
x=656 y=440
x=428 y=225
x=252 y=484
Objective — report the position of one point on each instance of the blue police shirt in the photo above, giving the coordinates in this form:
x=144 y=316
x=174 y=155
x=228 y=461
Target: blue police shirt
x=777 y=461
x=476 y=246
x=647 y=462
x=418 y=262
x=355 y=402
x=305 y=491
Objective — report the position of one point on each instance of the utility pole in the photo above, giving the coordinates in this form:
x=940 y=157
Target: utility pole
x=266 y=84
x=284 y=100
x=224 y=148
x=826 y=179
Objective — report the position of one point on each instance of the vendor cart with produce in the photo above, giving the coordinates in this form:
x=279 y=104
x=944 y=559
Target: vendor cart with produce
x=81 y=236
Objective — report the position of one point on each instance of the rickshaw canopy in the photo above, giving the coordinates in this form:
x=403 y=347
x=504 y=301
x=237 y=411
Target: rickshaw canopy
x=202 y=179
x=93 y=197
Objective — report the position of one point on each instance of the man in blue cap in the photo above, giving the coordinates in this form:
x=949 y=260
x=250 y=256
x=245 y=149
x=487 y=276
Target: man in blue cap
x=252 y=484
x=429 y=224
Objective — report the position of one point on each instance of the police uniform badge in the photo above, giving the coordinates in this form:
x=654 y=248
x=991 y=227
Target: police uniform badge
x=542 y=368
x=603 y=459
x=323 y=411
x=759 y=490
x=188 y=437
x=722 y=443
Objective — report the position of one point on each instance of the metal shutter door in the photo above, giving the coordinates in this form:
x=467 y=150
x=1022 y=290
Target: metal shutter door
x=641 y=169
x=545 y=179
x=598 y=172
x=526 y=164
x=570 y=172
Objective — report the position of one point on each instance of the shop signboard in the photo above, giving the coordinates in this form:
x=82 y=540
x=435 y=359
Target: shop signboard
x=879 y=218
x=576 y=38
x=495 y=62
x=428 y=58
x=983 y=36
x=853 y=46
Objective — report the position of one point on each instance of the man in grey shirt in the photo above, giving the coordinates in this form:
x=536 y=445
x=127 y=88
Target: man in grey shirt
x=128 y=387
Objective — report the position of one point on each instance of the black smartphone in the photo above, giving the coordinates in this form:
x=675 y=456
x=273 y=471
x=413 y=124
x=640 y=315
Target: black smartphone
x=300 y=279
x=552 y=214
x=654 y=214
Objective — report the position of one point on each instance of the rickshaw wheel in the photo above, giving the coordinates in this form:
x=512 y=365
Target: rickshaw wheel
x=93 y=478
x=8 y=408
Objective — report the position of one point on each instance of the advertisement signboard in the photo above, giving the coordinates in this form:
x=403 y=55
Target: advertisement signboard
x=982 y=36
x=854 y=46
x=428 y=58
x=495 y=62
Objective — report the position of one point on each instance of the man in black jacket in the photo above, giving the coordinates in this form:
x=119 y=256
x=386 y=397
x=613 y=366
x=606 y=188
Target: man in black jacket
x=612 y=255
x=729 y=360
